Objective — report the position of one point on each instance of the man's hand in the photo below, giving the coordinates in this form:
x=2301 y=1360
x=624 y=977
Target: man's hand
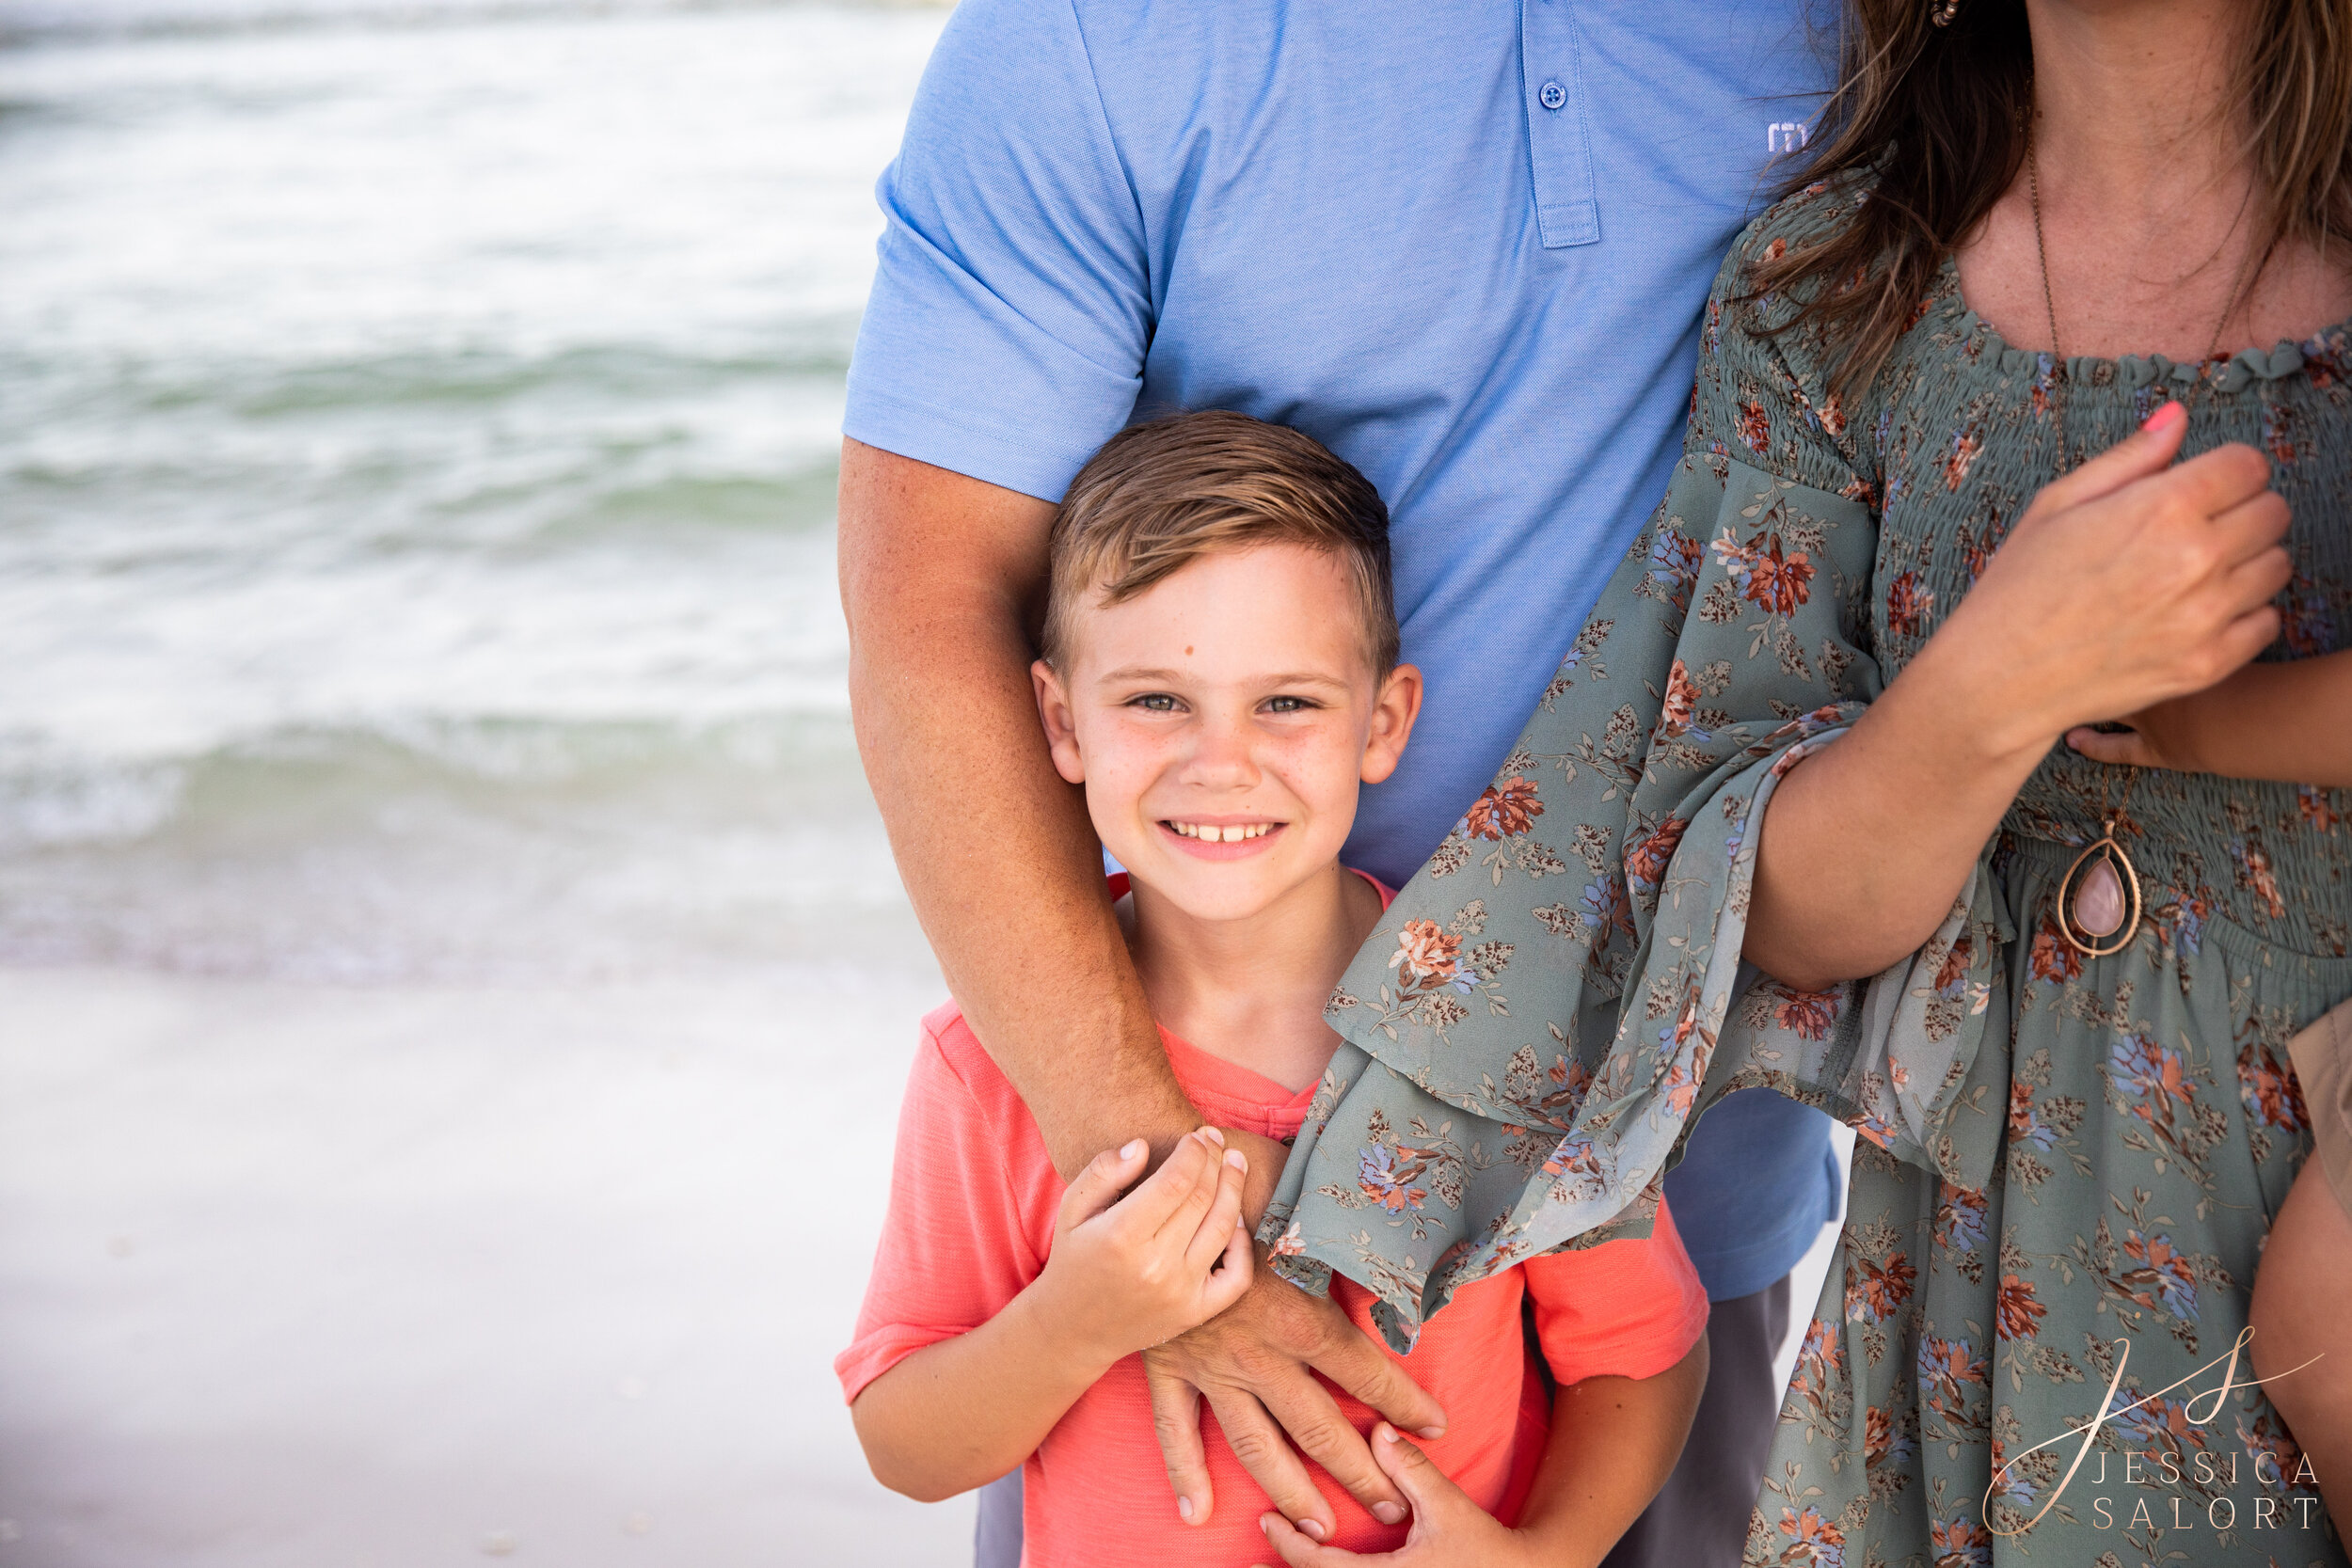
x=1252 y=1362
x=1450 y=1530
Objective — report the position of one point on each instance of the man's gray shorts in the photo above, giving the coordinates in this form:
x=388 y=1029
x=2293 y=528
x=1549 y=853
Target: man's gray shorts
x=1700 y=1520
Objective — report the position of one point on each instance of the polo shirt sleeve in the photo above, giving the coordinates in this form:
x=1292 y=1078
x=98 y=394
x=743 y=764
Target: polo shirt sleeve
x=1006 y=332
x=956 y=1245
x=1625 y=1308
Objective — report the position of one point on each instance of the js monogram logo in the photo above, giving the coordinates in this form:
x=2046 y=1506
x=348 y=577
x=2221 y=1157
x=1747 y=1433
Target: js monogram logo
x=2166 y=1467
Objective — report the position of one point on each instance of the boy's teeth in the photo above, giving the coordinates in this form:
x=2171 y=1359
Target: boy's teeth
x=1210 y=832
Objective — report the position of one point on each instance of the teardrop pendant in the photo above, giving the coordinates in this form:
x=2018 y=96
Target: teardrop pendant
x=2098 y=901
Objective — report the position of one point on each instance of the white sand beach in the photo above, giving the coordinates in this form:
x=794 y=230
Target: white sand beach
x=318 y=1276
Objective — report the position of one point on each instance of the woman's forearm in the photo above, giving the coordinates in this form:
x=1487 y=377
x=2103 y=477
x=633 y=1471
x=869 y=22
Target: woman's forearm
x=958 y=1414
x=2129 y=581
x=1866 y=843
x=1613 y=1442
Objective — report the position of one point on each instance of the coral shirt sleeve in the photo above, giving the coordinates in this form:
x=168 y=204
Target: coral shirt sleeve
x=1625 y=1308
x=955 y=1248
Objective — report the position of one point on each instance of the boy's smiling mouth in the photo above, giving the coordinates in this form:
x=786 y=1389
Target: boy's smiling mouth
x=1220 y=840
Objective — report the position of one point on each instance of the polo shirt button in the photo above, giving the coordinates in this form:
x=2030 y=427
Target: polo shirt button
x=1551 y=95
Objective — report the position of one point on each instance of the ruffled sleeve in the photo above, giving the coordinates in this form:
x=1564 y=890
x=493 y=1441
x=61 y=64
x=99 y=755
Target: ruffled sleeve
x=1554 y=999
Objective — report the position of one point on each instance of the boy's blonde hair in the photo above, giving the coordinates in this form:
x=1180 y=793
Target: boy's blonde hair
x=1164 y=494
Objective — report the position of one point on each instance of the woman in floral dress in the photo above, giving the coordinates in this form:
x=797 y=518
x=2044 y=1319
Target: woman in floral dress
x=1906 y=549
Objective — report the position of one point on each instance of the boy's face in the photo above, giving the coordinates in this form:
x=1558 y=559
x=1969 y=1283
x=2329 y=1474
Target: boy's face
x=1222 y=721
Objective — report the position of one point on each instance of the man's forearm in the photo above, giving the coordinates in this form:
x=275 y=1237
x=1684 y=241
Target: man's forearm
x=995 y=851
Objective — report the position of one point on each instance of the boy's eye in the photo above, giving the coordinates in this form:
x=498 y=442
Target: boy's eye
x=1287 y=704
x=1156 y=701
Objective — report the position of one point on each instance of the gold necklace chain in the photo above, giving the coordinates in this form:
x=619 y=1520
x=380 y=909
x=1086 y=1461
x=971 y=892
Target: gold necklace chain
x=2082 y=918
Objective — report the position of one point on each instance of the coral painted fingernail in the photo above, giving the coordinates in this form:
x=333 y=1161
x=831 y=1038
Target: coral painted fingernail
x=1387 y=1513
x=2165 y=418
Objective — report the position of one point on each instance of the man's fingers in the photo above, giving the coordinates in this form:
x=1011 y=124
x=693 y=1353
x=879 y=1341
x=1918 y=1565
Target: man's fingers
x=1098 y=1185
x=1176 y=1421
x=1213 y=1234
x=1350 y=1360
x=2122 y=749
x=2145 y=452
x=1324 y=1434
x=1259 y=1444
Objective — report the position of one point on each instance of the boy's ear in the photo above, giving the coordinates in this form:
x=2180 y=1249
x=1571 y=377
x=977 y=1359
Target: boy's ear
x=1061 y=729
x=1393 y=715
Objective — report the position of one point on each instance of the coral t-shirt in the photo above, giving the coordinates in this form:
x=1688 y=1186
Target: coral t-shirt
x=973 y=1201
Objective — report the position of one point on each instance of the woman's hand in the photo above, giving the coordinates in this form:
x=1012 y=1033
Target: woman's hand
x=1449 y=1529
x=2129 y=581
x=2126 y=583
x=1126 y=1274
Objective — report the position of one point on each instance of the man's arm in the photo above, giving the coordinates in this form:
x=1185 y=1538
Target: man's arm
x=942 y=577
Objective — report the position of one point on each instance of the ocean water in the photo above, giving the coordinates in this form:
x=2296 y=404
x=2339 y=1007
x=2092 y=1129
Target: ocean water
x=453 y=986
x=418 y=433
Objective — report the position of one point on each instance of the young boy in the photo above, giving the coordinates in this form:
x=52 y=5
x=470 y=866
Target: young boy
x=1221 y=674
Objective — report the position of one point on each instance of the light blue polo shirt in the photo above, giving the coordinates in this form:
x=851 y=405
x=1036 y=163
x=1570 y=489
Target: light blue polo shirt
x=1463 y=243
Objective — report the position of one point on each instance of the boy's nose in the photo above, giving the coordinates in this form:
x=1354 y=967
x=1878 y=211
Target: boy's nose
x=1222 y=756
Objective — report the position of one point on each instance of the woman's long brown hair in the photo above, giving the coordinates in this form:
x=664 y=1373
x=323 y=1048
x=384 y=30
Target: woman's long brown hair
x=1936 y=115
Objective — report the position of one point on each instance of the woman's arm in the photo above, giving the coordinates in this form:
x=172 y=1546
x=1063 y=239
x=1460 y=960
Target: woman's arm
x=1122 y=1276
x=2290 y=722
x=2126 y=583
x=1613 y=1442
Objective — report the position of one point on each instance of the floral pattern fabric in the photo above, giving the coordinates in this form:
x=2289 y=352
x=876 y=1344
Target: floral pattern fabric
x=2067 y=1165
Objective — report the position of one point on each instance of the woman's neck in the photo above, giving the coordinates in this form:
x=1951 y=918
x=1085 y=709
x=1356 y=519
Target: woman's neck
x=2133 y=116
x=1252 y=990
x=2149 y=212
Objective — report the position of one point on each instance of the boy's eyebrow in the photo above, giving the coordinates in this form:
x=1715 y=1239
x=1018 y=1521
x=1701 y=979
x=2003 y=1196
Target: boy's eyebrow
x=1303 y=677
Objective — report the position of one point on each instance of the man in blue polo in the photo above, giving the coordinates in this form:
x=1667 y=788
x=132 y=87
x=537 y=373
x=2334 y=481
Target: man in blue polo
x=1466 y=245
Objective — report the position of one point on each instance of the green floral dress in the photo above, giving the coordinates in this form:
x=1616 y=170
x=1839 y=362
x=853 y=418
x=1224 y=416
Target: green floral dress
x=2067 y=1165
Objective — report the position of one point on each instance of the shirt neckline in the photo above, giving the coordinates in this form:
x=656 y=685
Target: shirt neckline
x=1215 y=1084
